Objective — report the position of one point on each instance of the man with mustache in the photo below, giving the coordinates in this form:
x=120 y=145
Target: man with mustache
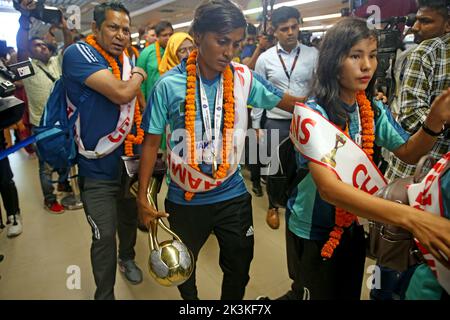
x=102 y=85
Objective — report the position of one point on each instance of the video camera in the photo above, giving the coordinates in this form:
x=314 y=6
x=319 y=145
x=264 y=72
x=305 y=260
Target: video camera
x=42 y=12
x=11 y=108
x=390 y=39
x=266 y=14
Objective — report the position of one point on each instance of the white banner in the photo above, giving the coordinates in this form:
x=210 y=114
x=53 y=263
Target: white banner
x=112 y=141
x=190 y=179
x=426 y=196
x=322 y=142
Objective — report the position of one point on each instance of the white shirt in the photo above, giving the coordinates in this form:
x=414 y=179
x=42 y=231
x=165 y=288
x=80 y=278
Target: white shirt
x=270 y=67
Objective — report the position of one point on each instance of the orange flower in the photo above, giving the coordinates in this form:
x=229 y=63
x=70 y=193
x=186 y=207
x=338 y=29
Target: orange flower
x=130 y=139
x=344 y=219
x=190 y=113
x=158 y=54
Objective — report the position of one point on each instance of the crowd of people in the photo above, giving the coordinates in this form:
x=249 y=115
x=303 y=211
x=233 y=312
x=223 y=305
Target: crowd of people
x=197 y=97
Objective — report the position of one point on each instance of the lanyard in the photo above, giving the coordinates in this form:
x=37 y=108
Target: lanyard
x=358 y=136
x=289 y=74
x=207 y=115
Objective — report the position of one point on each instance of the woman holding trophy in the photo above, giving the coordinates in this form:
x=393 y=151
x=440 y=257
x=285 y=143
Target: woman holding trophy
x=334 y=134
x=203 y=102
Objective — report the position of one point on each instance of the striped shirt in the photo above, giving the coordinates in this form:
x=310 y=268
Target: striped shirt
x=427 y=74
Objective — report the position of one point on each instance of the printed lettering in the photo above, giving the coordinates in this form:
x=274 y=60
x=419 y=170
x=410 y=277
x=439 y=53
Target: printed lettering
x=305 y=130
x=361 y=168
x=194 y=183
x=209 y=185
x=179 y=171
x=121 y=132
x=298 y=125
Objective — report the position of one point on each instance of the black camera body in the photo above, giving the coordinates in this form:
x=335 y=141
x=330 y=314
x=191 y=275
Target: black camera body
x=42 y=12
x=11 y=108
x=390 y=39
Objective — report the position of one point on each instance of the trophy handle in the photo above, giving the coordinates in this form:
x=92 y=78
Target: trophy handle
x=153 y=236
x=166 y=228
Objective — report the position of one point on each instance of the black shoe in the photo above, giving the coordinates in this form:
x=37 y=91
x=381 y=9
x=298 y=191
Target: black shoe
x=257 y=190
x=64 y=187
x=263 y=298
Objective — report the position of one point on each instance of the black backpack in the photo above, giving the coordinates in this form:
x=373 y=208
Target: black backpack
x=281 y=185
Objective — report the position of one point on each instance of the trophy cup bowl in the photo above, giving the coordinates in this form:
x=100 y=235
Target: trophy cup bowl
x=330 y=157
x=170 y=263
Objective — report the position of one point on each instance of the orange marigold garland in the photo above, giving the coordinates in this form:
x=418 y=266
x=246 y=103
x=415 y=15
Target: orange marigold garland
x=131 y=138
x=158 y=54
x=344 y=219
x=190 y=113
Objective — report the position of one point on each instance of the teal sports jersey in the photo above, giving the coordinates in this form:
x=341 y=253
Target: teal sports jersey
x=311 y=217
x=166 y=107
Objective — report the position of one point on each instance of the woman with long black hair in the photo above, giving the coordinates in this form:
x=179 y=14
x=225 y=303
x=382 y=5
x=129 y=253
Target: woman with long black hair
x=335 y=133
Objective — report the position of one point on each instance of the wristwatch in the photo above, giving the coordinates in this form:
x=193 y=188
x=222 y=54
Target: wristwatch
x=431 y=132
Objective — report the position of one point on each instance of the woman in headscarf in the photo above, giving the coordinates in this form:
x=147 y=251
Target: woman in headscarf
x=179 y=47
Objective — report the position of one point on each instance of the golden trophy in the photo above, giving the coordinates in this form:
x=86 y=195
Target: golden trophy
x=330 y=158
x=171 y=262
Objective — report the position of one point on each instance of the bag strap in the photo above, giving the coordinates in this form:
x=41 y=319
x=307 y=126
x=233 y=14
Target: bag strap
x=53 y=79
x=301 y=174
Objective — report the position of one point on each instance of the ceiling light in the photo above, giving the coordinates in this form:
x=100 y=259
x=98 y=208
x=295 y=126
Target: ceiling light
x=182 y=25
x=283 y=4
x=315 y=28
x=256 y=10
x=135 y=35
x=150 y=7
x=323 y=17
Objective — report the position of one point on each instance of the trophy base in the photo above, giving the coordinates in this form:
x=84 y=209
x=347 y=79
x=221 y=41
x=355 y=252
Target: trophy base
x=329 y=161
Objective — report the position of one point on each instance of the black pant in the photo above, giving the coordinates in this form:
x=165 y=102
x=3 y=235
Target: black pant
x=232 y=224
x=8 y=189
x=293 y=263
x=338 y=278
x=282 y=126
x=107 y=213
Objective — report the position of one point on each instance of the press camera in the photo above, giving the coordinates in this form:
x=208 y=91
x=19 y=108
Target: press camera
x=42 y=12
x=11 y=108
x=390 y=39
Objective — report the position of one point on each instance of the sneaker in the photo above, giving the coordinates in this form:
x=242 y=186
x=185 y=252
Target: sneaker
x=54 y=207
x=257 y=190
x=14 y=226
x=131 y=271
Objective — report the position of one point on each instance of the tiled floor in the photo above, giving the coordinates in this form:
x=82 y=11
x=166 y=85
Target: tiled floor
x=38 y=263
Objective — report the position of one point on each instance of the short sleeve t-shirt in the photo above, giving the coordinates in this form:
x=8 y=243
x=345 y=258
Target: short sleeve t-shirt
x=98 y=114
x=313 y=218
x=166 y=107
